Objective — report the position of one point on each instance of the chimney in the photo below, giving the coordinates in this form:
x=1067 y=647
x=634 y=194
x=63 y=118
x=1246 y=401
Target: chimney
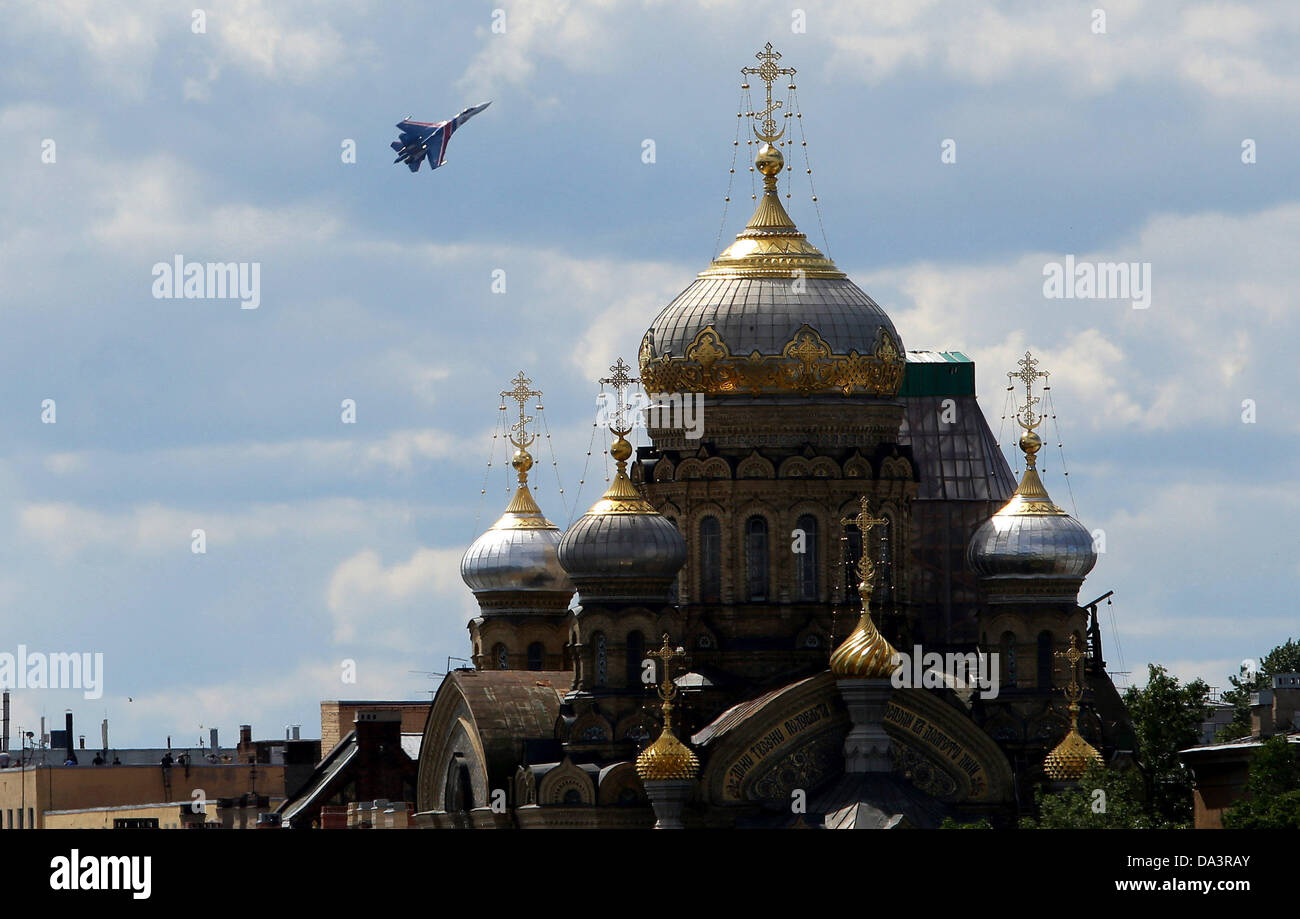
x=82 y=740
x=67 y=724
x=103 y=735
x=212 y=742
x=296 y=729
x=1286 y=700
x=245 y=734
x=4 y=731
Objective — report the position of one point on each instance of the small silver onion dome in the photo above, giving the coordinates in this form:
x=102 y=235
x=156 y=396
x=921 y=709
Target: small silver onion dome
x=1030 y=537
x=622 y=549
x=515 y=566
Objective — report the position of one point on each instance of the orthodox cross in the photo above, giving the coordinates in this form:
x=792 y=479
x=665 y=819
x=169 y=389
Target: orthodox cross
x=1028 y=372
x=667 y=654
x=1073 y=692
x=620 y=381
x=767 y=71
x=864 y=521
x=521 y=393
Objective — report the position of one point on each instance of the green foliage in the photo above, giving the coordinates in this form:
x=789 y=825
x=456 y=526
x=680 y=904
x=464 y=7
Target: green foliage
x=1272 y=799
x=1285 y=658
x=952 y=823
x=1167 y=718
x=1119 y=806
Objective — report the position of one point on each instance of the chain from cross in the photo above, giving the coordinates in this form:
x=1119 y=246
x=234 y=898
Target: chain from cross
x=666 y=655
x=521 y=393
x=767 y=71
x=864 y=521
x=1073 y=692
x=1028 y=372
x=620 y=381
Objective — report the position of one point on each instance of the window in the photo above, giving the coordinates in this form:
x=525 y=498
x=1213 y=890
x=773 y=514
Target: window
x=536 y=656
x=502 y=658
x=459 y=797
x=710 y=560
x=808 y=561
x=1044 y=660
x=635 y=655
x=756 y=558
x=1008 y=662
x=602 y=659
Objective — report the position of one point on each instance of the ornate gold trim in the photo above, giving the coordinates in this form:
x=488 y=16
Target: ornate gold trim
x=806 y=364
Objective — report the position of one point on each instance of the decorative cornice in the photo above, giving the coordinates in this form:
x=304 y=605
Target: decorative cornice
x=807 y=364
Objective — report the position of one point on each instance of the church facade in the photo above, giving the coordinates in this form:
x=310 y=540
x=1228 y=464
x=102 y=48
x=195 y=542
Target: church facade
x=715 y=643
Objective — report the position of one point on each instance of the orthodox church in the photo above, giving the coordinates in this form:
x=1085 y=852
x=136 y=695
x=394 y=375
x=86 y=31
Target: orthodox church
x=717 y=641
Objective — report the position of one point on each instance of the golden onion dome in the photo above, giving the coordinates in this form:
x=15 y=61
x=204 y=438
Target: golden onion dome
x=865 y=654
x=667 y=758
x=772 y=314
x=1070 y=758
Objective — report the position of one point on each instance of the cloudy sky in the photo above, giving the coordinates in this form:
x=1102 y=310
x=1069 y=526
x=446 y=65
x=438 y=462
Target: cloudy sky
x=329 y=542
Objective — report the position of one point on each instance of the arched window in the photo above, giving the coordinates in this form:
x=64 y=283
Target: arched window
x=536 y=656
x=458 y=796
x=501 y=657
x=710 y=560
x=809 y=560
x=756 y=558
x=1044 y=660
x=635 y=655
x=1008 y=662
x=602 y=659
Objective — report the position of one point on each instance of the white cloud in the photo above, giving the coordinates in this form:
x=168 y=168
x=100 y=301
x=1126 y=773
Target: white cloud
x=152 y=529
x=372 y=603
x=1218 y=329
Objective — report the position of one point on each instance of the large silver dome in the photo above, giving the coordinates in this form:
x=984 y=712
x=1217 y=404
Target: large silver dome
x=772 y=314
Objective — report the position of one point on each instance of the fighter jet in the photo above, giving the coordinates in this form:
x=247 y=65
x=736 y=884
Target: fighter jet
x=421 y=140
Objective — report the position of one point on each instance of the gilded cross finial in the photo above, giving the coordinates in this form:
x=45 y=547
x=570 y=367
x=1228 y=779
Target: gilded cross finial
x=666 y=655
x=521 y=393
x=767 y=71
x=1028 y=372
x=620 y=380
x=864 y=521
x=1073 y=692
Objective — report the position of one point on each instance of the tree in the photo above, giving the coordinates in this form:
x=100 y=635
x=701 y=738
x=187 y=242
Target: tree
x=1272 y=800
x=1285 y=658
x=1167 y=717
x=1105 y=799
